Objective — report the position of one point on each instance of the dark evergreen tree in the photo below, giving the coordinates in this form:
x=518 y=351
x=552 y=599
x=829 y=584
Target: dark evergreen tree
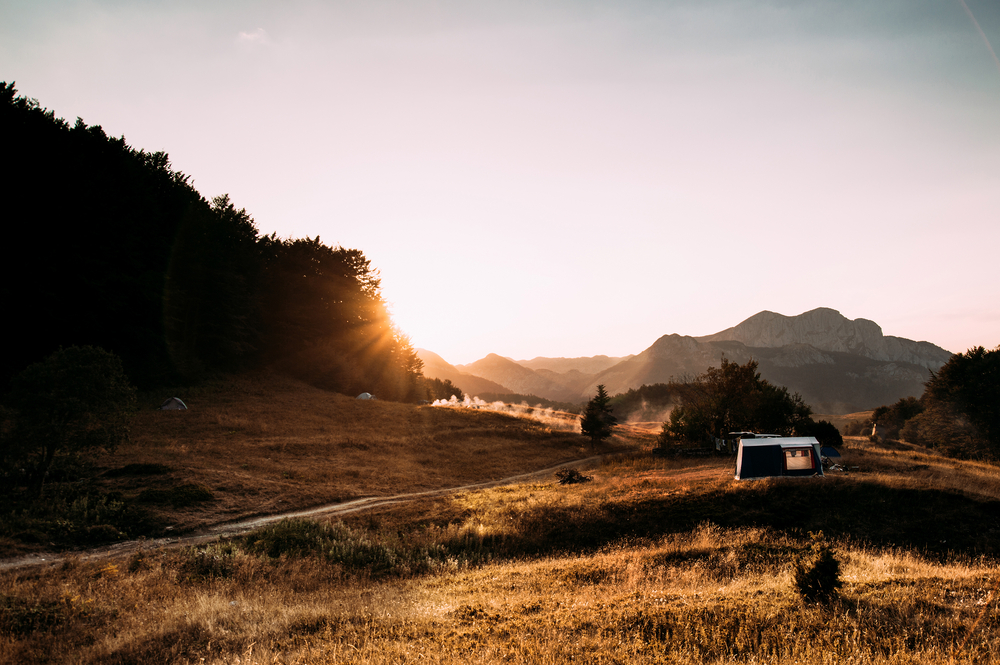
x=598 y=421
x=436 y=389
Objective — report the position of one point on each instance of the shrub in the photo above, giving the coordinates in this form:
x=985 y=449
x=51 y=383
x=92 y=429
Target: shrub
x=215 y=561
x=75 y=400
x=571 y=477
x=817 y=577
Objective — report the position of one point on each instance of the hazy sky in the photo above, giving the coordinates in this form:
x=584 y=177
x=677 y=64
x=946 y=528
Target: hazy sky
x=574 y=178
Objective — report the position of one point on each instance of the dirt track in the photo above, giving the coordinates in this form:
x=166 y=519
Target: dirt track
x=230 y=529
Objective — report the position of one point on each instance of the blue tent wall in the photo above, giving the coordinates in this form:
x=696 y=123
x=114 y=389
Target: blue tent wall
x=759 y=462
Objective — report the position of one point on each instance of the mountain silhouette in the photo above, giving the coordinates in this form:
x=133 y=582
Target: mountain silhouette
x=838 y=365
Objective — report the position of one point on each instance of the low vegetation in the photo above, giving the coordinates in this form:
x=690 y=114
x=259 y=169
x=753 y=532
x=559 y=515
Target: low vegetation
x=654 y=560
x=958 y=412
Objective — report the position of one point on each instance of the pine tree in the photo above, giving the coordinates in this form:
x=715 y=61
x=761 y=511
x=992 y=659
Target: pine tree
x=598 y=421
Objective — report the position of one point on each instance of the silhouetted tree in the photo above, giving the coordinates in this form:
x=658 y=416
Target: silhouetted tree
x=825 y=432
x=76 y=399
x=732 y=398
x=436 y=389
x=211 y=297
x=597 y=421
x=326 y=322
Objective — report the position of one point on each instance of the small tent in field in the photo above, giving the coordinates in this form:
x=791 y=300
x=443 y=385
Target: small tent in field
x=782 y=456
x=173 y=404
x=366 y=396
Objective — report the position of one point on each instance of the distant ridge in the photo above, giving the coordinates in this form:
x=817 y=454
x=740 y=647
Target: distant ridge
x=436 y=367
x=591 y=365
x=519 y=379
x=838 y=365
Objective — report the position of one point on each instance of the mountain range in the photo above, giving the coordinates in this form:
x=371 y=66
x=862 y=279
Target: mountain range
x=837 y=365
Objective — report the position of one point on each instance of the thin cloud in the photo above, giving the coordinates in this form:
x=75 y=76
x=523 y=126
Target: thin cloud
x=258 y=36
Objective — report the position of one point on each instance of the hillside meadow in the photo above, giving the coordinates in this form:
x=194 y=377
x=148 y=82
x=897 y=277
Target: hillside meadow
x=260 y=444
x=655 y=560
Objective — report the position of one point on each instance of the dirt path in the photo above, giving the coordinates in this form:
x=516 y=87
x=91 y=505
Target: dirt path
x=230 y=529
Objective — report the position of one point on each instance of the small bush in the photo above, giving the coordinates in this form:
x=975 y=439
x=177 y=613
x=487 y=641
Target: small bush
x=571 y=477
x=216 y=561
x=20 y=617
x=290 y=538
x=817 y=577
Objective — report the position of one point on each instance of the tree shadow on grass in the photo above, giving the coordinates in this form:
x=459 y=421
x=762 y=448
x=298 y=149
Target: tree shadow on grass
x=936 y=522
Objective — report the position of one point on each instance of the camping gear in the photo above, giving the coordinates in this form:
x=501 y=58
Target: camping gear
x=366 y=396
x=780 y=456
x=173 y=404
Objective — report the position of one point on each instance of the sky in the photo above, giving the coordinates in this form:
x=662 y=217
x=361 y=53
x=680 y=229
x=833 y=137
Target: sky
x=574 y=178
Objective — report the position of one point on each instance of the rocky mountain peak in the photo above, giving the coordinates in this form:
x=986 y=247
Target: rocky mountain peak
x=828 y=330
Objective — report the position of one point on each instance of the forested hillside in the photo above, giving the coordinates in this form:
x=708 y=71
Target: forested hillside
x=107 y=245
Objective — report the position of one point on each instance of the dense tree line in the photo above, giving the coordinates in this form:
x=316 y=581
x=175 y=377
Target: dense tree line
x=435 y=389
x=958 y=412
x=109 y=246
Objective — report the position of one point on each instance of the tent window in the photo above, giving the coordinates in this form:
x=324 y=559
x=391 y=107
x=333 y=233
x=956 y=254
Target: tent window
x=800 y=459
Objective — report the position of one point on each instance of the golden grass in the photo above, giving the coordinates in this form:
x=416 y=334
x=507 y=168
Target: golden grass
x=706 y=594
x=839 y=420
x=264 y=444
x=689 y=598
x=654 y=561
x=905 y=465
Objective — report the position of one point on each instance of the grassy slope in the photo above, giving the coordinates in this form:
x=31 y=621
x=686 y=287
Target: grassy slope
x=271 y=445
x=654 y=561
x=262 y=444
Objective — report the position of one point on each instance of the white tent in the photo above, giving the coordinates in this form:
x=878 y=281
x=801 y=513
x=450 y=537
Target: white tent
x=366 y=396
x=173 y=404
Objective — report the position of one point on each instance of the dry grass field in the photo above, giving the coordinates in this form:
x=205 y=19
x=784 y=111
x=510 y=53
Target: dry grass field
x=264 y=444
x=653 y=561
